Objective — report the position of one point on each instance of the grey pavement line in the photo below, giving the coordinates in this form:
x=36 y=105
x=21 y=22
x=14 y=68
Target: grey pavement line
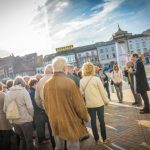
x=138 y=117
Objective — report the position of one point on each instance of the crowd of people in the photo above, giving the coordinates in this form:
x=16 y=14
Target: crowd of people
x=62 y=101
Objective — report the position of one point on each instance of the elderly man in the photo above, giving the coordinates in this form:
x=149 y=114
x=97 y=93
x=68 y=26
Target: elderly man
x=65 y=107
x=141 y=82
x=39 y=97
x=131 y=80
x=39 y=91
x=69 y=72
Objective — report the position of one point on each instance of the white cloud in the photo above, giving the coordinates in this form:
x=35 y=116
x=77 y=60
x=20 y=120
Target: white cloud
x=75 y=26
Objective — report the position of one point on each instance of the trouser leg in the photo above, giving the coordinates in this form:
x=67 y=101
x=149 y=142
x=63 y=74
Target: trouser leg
x=60 y=143
x=5 y=139
x=73 y=145
x=100 y=114
x=19 y=131
x=146 y=100
x=92 y=112
x=117 y=91
x=51 y=135
x=27 y=129
x=120 y=91
x=107 y=90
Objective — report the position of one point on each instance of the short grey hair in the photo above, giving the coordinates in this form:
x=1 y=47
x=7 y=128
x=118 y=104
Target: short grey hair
x=59 y=64
x=48 y=69
x=19 y=81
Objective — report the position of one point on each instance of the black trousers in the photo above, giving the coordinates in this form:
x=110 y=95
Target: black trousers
x=137 y=96
x=5 y=139
x=99 y=111
x=107 y=90
x=25 y=132
x=145 y=99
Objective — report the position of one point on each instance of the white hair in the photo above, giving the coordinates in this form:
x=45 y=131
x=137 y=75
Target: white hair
x=59 y=64
x=48 y=69
x=19 y=81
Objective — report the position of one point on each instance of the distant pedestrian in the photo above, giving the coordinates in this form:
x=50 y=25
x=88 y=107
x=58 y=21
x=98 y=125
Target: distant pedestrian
x=141 y=82
x=117 y=78
x=38 y=77
x=65 y=107
x=131 y=80
x=93 y=90
x=9 y=84
x=105 y=80
x=70 y=74
x=27 y=79
x=5 y=127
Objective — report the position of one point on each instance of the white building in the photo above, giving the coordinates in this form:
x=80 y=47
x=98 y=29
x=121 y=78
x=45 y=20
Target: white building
x=107 y=52
x=122 y=46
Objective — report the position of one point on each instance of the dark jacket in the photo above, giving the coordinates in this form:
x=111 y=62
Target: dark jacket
x=141 y=80
x=106 y=80
x=74 y=78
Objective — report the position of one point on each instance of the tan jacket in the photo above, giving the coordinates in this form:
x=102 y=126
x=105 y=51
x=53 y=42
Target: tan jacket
x=39 y=90
x=95 y=94
x=65 y=108
x=4 y=123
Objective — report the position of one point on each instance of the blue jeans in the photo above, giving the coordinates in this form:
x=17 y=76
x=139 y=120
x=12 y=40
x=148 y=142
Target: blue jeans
x=100 y=113
x=25 y=132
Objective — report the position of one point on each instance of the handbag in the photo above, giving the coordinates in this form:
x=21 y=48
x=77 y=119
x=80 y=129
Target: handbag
x=12 y=112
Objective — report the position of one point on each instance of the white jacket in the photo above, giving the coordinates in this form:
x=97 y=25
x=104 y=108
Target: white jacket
x=95 y=94
x=117 y=76
x=24 y=103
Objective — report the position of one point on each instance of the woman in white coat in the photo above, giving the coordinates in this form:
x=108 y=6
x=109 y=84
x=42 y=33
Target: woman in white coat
x=95 y=97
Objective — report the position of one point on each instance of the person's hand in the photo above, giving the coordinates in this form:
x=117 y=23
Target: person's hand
x=89 y=118
x=106 y=103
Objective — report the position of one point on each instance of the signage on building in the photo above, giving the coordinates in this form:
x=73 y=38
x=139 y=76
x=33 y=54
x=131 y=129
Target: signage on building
x=65 y=48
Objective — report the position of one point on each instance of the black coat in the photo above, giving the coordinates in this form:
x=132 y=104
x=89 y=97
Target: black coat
x=141 y=80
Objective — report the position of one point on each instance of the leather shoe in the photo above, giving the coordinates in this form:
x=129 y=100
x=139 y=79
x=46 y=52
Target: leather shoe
x=134 y=103
x=142 y=109
x=144 y=112
x=139 y=104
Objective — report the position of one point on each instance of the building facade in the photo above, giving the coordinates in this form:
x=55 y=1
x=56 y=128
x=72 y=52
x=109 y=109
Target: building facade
x=12 y=66
x=107 y=53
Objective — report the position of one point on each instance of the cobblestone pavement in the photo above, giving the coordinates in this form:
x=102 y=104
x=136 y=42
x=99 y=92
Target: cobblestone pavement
x=127 y=129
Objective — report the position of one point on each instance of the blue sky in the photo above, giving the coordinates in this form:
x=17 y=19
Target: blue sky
x=76 y=22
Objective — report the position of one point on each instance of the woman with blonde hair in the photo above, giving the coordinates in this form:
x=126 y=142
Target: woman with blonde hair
x=95 y=97
x=117 y=78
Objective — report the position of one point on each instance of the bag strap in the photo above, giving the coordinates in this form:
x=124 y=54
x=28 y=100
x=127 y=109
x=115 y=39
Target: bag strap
x=87 y=84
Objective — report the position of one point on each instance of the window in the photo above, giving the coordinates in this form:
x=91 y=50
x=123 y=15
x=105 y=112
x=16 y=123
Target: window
x=92 y=53
x=107 y=56
x=112 y=48
x=101 y=51
x=102 y=57
x=145 y=50
x=114 y=55
x=143 y=44
x=106 y=50
x=130 y=46
x=79 y=55
x=139 y=51
x=137 y=45
x=87 y=54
